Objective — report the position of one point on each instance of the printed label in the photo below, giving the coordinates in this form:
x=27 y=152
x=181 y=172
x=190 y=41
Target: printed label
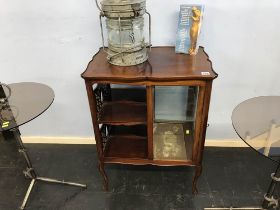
x=205 y=73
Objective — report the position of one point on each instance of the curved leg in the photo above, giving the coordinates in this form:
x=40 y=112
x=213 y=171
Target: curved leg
x=105 y=178
x=198 y=171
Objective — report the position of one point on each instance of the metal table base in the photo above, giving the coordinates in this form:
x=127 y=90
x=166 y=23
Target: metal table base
x=240 y=208
x=269 y=202
x=269 y=199
x=30 y=173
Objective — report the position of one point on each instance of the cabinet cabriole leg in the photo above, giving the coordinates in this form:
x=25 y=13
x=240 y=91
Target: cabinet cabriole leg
x=198 y=171
x=105 y=178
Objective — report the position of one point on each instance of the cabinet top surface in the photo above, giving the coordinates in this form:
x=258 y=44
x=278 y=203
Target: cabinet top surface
x=163 y=65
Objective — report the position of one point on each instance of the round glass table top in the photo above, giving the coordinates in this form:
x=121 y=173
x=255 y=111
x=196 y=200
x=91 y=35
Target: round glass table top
x=257 y=122
x=27 y=101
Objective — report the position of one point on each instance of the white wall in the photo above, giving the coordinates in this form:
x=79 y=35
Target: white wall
x=52 y=41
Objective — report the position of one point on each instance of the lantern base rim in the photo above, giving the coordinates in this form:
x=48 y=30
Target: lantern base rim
x=128 y=58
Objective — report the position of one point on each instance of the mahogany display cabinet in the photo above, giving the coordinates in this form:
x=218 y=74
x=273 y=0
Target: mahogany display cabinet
x=152 y=113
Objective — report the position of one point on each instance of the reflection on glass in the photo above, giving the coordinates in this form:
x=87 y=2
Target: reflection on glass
x=175 y=109
x=268 y=142
x=27 y=101
x=173 y=141
x=130 y=35
x=169 y=141
x=257 y=122
x=175 y=103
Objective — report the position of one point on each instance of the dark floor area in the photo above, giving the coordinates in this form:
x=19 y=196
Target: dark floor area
x=231 y=177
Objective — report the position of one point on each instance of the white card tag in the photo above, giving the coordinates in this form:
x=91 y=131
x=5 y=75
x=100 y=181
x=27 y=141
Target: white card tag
x=205 y=73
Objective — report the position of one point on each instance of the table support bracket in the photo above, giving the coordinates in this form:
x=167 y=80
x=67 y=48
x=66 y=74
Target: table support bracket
x=49 y=180
x=235 y=208
x=269 y=200
x=30 y=173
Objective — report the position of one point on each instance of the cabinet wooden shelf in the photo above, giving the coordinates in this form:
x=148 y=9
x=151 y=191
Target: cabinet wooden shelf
x=126 y=147
x=133 y=130
x=126 y=142
x=152 y=113
x=137 y=94
x=123 y=113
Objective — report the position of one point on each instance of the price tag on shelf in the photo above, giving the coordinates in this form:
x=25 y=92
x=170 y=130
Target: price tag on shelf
x=205 y=73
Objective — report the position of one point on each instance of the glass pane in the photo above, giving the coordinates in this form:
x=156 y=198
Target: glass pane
x=257 y=122
x=173 y=141
x=175 y=108
x=175 y=103
x=130 y=35
x=27 y=101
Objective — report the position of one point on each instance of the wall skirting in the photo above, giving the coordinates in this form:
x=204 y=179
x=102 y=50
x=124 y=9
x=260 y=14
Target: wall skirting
x=89 y=140
x=57 y=140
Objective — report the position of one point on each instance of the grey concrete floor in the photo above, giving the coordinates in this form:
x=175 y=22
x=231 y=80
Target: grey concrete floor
x=231 y=177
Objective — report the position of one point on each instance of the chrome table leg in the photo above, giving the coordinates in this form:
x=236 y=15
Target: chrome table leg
x=27 y=194
x=45 y=179
x=232 y=208
x=30 y=173
x=269 y=200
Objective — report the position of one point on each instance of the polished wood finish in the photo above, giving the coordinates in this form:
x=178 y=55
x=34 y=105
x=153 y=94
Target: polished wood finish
x=189 y=141
x=199 y=150
x=134 y=130
x=117 y=147
x=123 y=118
x=163 y=65
x=123 y=113
x=93 y=110
x=129 y=94
x=150 y=120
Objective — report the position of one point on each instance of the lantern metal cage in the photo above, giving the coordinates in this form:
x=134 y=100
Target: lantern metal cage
x=125 y=29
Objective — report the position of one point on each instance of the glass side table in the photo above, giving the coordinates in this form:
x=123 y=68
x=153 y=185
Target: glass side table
x=19 y=104
x=257 y=123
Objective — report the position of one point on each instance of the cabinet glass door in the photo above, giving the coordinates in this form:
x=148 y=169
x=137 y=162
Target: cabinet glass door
x=174 y=118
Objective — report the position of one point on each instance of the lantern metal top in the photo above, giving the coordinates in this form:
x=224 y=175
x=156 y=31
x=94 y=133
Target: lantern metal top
x=122 y=8
x=121 y=2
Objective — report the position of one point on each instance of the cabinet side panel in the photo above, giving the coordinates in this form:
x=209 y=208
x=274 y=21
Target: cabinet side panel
x=93 y=111
x=206 y=102
x=198 y=123
x=150 y=120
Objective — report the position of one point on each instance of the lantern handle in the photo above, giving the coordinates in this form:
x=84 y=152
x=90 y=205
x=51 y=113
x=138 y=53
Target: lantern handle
x=102 y=35
x=101 y=27
x=150 y=30
x=97 y=5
